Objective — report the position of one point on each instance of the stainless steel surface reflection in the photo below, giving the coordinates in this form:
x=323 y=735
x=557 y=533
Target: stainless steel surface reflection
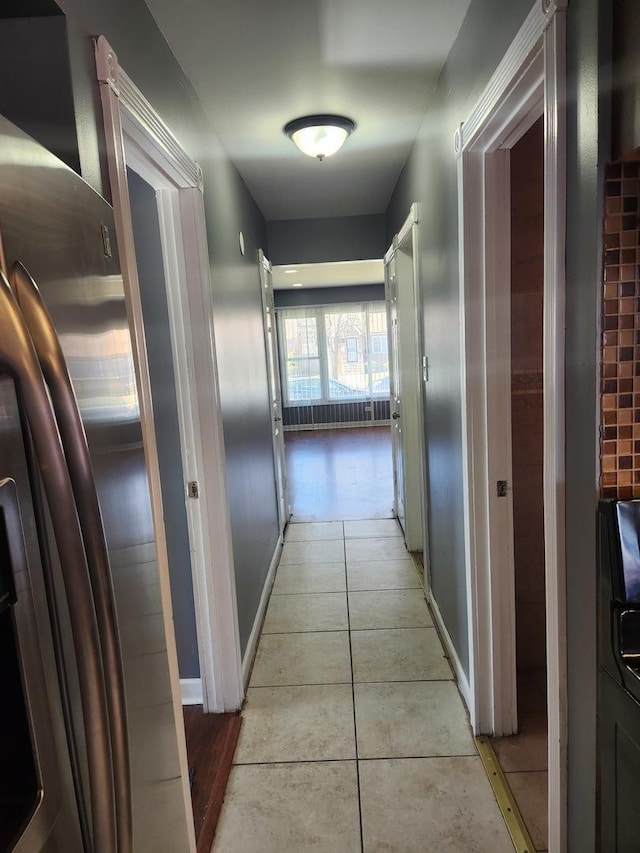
x=53 y=223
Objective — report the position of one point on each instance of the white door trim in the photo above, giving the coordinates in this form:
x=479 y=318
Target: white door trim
x=416 y=534
x=136 y=136
x=529 y=81
x=275 y=390
x=415 y=507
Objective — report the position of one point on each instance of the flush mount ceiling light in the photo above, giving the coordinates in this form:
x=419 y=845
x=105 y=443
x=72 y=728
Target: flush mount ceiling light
x=320 y=136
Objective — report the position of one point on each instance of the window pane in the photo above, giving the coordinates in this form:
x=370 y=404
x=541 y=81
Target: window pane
x=346 y=346
x=350 y=362
x=305 y=384
x=302 y=364
x=378 y=352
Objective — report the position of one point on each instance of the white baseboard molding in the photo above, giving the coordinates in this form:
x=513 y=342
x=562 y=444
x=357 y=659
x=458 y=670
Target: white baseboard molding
x=191 y=690
x=252 y=645
x=461 y=675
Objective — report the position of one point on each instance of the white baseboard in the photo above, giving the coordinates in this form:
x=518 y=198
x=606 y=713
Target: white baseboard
x=461 y=675
x=252 y=645
x=191 y=690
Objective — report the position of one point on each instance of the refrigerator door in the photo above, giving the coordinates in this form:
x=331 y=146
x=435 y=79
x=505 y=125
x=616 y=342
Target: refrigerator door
x=18 y=358
x=47 y=346
x=30 y=710
x=63 y=233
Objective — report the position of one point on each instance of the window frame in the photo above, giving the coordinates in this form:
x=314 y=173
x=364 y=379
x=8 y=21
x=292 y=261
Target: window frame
x=319 y=312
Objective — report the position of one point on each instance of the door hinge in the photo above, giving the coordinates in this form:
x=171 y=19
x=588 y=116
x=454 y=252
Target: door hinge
x=193 y=489
x=501 y=488
x=425 y=368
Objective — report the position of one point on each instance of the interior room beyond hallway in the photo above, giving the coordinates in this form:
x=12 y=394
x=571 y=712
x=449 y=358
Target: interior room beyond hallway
x=340 y=474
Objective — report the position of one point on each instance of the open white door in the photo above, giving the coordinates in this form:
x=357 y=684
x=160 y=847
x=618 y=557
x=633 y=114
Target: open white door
x=395 y=385
x=275 y=392
x=406 y=384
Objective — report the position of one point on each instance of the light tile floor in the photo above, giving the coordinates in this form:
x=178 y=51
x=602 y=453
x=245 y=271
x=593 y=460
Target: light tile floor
x=354 y=739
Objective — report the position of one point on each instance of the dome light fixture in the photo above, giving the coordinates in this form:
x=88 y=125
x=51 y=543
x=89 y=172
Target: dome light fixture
x=320 y=136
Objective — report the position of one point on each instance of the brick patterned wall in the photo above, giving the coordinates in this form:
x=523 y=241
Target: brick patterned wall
x=620 y=363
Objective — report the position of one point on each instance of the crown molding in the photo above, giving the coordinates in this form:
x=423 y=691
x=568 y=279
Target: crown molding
x=141 y=111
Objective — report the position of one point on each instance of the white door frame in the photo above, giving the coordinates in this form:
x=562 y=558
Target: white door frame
x=275 y=389
x=137 y=137
x=413 y=444
x=390 y=296
x=529 y=82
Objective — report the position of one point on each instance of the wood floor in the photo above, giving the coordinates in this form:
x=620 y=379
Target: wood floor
x=211 y=742
x=340 y=474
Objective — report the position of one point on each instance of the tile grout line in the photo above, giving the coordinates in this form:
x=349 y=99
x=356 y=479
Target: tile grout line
x=339 y=591
x=355 y=630
x=386 y=681
x=353 y=691
x=430 y=757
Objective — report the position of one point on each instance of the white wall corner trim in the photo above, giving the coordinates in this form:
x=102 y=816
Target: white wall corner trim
x=191 y=690
x=252 y=645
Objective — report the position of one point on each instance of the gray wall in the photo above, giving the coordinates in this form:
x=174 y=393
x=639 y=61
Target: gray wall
x=626 y=77
x=153 y=293
x=143 y=53
x=329 y=295
x=588 y=149
x=339 y=238
x=429 y=177
x=33 y=55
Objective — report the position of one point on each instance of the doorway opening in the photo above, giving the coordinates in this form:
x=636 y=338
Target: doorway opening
x=523 y=756
x=333 y=360
x=527 y=86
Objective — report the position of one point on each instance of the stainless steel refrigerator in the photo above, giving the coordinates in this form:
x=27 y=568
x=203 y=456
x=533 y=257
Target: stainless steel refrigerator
x=88 y=725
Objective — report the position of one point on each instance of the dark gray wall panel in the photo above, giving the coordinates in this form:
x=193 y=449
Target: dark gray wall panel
x=626 y=77
x=339 y=238
x=429 y=177
x=34 y=57
x=588 y=149
x=329 y=295
x=146 y=232
x=144 y=54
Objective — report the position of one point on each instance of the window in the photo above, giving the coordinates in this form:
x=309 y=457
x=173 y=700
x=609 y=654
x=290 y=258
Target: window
x=301 y=361
x=336 y=352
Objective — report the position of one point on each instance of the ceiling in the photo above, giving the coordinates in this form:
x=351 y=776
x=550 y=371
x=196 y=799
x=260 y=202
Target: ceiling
x=328 y=275
x=256 y=65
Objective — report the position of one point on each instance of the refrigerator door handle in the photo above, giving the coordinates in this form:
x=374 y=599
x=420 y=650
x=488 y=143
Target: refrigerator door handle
x=53 y=365
x=18 y=358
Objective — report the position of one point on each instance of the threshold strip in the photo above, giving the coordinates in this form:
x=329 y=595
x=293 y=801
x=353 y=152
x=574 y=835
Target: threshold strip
x=506 y=801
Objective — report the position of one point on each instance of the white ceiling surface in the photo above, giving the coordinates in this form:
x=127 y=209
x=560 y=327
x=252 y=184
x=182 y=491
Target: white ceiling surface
x=328 y=275
x=256 y=65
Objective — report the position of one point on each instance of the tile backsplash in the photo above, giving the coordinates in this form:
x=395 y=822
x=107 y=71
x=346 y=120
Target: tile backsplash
x=620 y=352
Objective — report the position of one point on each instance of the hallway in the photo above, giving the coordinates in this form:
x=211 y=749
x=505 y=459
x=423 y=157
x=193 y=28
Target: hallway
x=354 y=735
